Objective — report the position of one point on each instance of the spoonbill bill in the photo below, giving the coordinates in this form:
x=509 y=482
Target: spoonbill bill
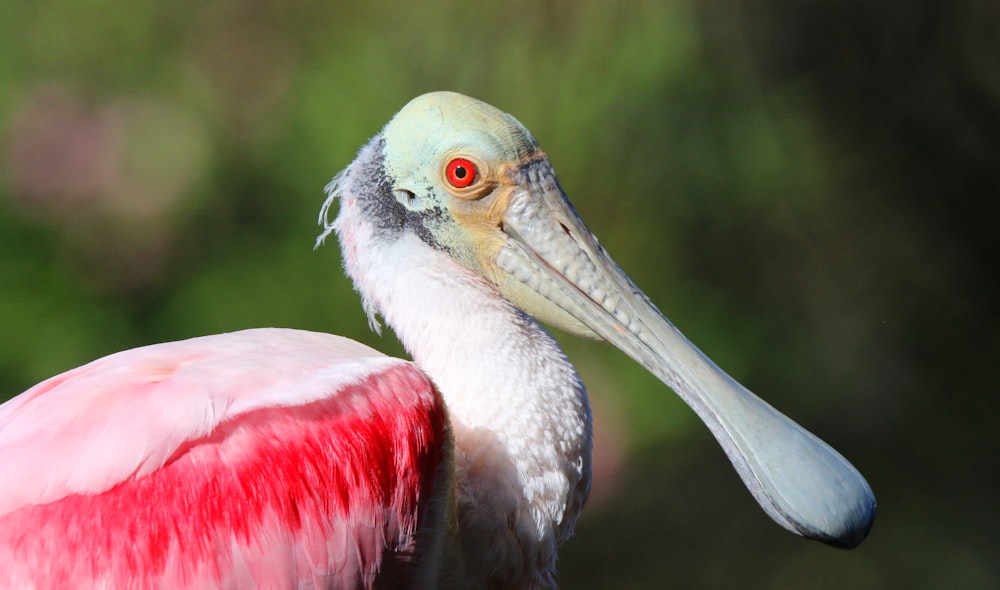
x=275 y=458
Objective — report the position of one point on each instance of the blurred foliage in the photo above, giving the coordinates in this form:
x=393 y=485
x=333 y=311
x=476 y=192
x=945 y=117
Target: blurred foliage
x=810 y=190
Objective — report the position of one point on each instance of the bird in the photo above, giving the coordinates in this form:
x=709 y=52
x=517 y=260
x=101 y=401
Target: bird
x=280 y=458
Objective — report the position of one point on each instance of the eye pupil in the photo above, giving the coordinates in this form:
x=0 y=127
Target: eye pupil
x=460 y=173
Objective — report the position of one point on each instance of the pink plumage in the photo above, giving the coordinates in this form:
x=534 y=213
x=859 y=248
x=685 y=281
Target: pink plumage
x=263 y=458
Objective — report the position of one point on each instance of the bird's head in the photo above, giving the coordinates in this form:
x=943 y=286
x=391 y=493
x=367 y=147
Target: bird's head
x=470 y=181
x=467 y=179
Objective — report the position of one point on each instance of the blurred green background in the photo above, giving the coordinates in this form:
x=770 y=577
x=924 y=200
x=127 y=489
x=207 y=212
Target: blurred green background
x=808 y=189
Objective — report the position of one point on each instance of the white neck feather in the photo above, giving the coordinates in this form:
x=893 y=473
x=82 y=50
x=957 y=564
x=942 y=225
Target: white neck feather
x=518 y=409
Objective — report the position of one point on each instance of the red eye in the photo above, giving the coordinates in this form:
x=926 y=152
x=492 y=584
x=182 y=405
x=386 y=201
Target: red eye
x=460 y=173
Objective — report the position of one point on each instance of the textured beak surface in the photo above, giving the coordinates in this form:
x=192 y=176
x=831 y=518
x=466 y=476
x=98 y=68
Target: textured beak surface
x=551 y=258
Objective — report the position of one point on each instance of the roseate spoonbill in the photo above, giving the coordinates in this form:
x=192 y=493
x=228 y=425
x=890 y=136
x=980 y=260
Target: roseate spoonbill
x=283 y=458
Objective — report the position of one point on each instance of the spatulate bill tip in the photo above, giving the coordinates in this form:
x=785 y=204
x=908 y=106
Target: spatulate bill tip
x=841 y=516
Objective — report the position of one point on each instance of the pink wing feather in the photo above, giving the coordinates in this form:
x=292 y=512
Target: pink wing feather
x=265 y=458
